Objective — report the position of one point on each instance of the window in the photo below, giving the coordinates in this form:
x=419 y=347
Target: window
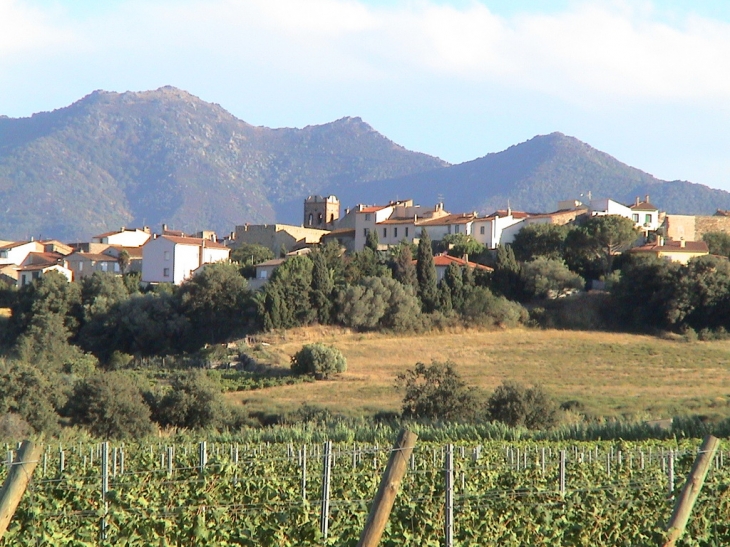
x=35 y=275
x=647 y=218
x=166 y=272
x=406 y=231
x=367 y=216
x=385 y=233
x=311 y=219
x=167 y=255
x=395 y=232
x=24 y=279
x=116 y=267
x=481 y=230
x=320 y=218
x=262 y=274
x=81 y=266
x=635 y=217
x=365 y=231
x=456 y=229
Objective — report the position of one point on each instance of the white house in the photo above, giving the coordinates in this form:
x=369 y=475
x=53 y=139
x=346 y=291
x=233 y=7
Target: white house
x=499 y=228
x=28 y=274
x=125 y=237
x=645 y=215
x=18 y=251
x=172 y=259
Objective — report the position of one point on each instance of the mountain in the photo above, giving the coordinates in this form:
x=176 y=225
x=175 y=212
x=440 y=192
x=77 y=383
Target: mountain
x=535 y=175
x=133 y=159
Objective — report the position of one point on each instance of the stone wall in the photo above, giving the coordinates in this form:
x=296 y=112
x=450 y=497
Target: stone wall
x=692 y=228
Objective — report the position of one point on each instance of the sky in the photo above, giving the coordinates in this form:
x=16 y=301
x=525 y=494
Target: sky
x=645 y=81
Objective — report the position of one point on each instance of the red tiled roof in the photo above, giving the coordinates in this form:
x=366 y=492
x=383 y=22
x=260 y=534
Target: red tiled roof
x=463 y=218
x=196 y=241
x=16 y=244
x=674 y=247
x=643 y=206
x=445 y=260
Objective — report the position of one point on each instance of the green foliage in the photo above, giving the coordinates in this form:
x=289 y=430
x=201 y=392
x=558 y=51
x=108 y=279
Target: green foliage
x=506 y=279
x=540 y=240
x=371 y=241
x=426 y=273
x=484 y=308
x=111 y=405
x=548 y=278
x=100 y=292
x=513 y=404
x=284 y=302
x=718 y=243
x=318 y=360
x=460 y=245
x=592 y=245
x=322 y=287
x=215 y=302
x=404 y=270
x=365 y=263
x=31 y=395
x=436 y=391
x=194 y=401
x=248 y=255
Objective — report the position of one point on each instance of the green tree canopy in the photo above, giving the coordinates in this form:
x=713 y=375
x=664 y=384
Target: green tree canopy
x=545 y=240
x=598 y=240
x=426 y=273
x=718 y=243
x=248 y=255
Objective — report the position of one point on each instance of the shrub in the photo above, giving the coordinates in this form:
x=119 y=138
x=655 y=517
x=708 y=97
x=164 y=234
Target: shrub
x=318 y=360
x=111 y=405
x=548 y=278
x=514 y=405
x=28 y=393
x=481 y=306
x=436 y=391
x=194 y=402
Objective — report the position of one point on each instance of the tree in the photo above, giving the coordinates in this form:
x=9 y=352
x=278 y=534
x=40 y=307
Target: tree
x=322 y=287
x=436 y=391
x=481 y=307
x=506 y=279
x=718 y=243
x=111 y=405
x=544 y=240
x=284 y=302
x=599 y=239
x=514 y=405
x=100 y=292
x=380 y=302
x=31 y=395
x=404 y=270
x=215 y=301
x=426 y=273
x=194 y=401
x=548 y=277
x=371 y=241
x=318 y=360
x=124 y=260
x=248 y=255
x=461 y=245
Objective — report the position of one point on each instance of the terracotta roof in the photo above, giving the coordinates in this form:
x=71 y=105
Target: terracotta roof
x=643 y=206
x=196 y=241
x=96 y=257
x=372 y=208
x=34 y=267
x=463 y=218
x=47 y=258
x=673 y=247
x=445 y=260
x=272 y=262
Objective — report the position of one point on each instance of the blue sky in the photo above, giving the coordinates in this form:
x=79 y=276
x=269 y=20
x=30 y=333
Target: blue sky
x=646 y=81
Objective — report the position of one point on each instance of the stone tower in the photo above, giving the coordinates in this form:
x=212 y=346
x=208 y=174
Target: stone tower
x=321 y=212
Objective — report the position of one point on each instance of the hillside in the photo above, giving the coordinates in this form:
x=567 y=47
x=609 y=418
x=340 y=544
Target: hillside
x=112 y=160
x=536 y=174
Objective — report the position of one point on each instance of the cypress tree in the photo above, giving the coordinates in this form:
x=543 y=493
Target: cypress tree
x=322 y=286
x=426 y=273
x=403 y=268
x=371 y=242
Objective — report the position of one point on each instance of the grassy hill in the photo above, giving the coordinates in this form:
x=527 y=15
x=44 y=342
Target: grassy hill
x=608 y=374
x=534 y=175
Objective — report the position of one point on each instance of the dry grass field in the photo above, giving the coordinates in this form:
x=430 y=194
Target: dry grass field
x=611 y=374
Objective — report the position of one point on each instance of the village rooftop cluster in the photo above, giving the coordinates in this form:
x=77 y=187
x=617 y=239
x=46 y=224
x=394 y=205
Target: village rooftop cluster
x=172 y=256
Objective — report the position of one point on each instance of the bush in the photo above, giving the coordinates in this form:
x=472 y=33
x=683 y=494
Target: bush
x=194 y=402
x=436 y=391
x=548 y=278
x=31 y=395
x=111 y=405
x=481 y=306
x=318 y=360
x=514 y=405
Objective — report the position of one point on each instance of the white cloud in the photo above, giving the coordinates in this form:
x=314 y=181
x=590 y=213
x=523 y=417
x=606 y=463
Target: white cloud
x=24 y=30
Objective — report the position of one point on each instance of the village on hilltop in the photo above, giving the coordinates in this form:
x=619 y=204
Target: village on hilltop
x=172 y=256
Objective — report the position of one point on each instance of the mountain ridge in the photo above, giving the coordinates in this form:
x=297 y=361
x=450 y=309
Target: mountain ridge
x=143 y=158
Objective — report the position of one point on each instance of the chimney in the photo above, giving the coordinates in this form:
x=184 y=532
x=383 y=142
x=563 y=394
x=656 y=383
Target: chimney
x=647 y=199
x=637 y=200
x=164 y=229
x=682 y=243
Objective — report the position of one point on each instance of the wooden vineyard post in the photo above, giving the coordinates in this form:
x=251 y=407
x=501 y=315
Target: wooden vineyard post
x=691 y=490
x=389 y=485
x=17 y=480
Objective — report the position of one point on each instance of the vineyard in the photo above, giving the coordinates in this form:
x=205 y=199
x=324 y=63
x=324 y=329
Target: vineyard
x=281 y=494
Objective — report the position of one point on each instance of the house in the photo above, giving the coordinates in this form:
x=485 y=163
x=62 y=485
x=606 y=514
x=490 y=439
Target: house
x=278 y=236
x=345 y=237
x=134 y=254
x=264 y=271
x=499 y=228
x=645 y=215
x=675 y=251
x=125 y=237
x=85 y=264
x=18 y=251
x=443 y=261
x=28 y=274
x=172 y=259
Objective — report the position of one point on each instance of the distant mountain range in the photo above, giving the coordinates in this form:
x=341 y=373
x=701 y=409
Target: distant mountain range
x=134 y=159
